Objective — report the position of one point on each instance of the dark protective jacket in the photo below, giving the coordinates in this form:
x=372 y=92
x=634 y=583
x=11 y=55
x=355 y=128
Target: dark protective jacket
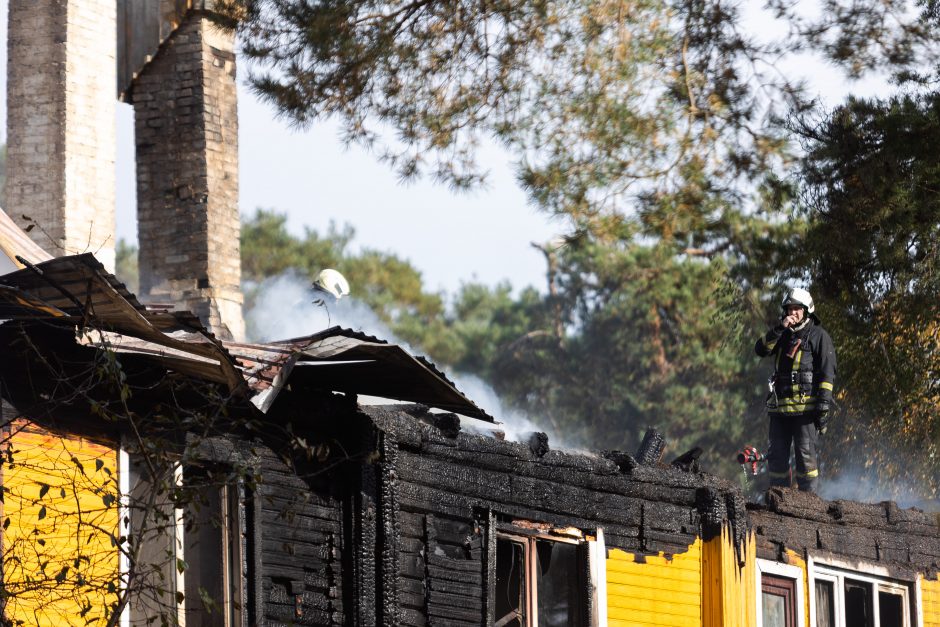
x=804 y=368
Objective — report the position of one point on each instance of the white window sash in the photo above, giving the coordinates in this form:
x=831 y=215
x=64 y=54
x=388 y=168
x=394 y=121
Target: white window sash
x=875 y=576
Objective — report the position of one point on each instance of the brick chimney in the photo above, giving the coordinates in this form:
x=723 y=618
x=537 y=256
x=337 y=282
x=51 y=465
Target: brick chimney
x=61 y=87
x=186 y=114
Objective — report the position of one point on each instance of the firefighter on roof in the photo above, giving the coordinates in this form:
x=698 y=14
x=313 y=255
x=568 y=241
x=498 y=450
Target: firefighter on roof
x=800 y=390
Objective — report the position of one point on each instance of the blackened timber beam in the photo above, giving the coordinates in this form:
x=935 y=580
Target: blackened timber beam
x=389 y=530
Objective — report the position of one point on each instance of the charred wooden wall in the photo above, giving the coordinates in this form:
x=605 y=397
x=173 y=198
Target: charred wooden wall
x=300 y=520
x=440 y=493
x=907 y=541
x=403 y=532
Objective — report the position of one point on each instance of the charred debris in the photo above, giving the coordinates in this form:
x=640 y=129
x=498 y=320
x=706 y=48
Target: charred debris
x=390 y=514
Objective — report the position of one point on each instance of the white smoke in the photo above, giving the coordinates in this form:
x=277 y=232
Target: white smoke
x=287 y=306
x=284 y=307
x=515 y=424
x=865 y=486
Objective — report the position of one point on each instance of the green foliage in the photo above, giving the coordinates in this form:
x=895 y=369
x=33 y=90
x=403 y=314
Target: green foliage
x=125 y=265
x=268 y=248
x=390 y=286
x=644 y=125
x=601 y=101
x=649 y=126
x=872 y=178
x=465 y=333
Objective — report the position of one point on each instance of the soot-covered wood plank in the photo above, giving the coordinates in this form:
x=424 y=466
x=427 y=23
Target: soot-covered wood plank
x=426 y=497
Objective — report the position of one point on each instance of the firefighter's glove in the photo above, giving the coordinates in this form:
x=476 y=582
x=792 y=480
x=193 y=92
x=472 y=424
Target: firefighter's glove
x=822 y=420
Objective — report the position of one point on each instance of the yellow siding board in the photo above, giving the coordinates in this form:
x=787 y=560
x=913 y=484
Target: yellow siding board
x=655 y=590
x=674 y=586
x=653 y=573
x=662 y=604
x=638 y=621
x=621 y=565
x=75 y=517
x=930 y=596
x=665 y=596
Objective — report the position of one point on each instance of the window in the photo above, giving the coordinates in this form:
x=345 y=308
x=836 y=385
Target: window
x=778 y=601
x=541 y=581
x=208 y=536
x=214 y=580
x=851 y=599
x=780 y=595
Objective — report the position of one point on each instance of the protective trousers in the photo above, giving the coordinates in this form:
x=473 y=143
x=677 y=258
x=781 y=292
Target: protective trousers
x=799 y=431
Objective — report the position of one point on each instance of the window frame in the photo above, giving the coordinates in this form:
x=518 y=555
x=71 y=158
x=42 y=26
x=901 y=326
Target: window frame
x=220 y=523
x=595 y=603
x=785 y=571
x=877 y=577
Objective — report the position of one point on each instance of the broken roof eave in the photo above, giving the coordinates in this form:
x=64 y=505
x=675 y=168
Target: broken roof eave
x=77 y=290
x=346 y=361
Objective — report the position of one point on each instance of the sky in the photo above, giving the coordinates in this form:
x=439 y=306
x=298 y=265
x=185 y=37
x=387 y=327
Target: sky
x=452 y=238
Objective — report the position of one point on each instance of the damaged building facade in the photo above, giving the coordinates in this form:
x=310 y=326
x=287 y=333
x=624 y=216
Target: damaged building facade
x=156 y=471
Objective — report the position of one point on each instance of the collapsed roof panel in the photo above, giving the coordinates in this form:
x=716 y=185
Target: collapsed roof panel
x=78 y=290
x=347 y=361
x=80 y=287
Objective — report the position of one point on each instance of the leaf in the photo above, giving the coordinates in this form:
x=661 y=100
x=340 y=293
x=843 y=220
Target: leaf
x=62 y=574
x=98 y=464
x=79 y=464
x=207 y=601
x=43 y=490
x=181 y=565
x=42 y=512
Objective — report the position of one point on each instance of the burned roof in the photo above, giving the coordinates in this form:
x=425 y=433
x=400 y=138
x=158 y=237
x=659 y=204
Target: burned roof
x=77 y=290
x=874 y=533
x=645 y=506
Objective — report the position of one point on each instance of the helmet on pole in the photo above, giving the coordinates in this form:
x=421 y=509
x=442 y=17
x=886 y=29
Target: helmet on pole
x=799 y=296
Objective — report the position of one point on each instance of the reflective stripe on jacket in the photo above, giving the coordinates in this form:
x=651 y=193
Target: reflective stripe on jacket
x=804 y=368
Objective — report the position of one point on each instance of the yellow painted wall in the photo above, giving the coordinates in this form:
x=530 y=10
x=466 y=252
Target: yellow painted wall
x=60 y=516
x=930 y=595
x=728 y=589
x=661 y=591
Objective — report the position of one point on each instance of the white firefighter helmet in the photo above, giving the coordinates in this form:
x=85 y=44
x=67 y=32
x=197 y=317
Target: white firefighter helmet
x=799 y=296
x=332 y=282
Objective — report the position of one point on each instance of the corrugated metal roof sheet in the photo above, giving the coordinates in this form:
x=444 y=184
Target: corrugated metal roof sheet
x=348 y=361
x=80 y=287
x=78 y=290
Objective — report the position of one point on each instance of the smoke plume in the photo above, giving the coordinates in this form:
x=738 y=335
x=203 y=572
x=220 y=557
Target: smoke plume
x=284 y=307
